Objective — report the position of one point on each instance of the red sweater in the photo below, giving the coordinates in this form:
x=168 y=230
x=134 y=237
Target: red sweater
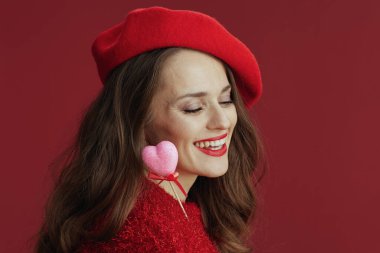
x=158 y=224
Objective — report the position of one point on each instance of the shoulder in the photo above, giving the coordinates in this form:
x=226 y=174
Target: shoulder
x=132 y=239
x=157 y=224
x=149 y=226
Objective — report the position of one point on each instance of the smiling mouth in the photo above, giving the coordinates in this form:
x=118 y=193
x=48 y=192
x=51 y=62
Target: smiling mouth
x=214 y=151
x=216 y=143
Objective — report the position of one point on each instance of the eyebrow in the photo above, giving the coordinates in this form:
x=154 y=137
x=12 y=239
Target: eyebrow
x=201 y=94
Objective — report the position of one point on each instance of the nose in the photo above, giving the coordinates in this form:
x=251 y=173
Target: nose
x=218 y=118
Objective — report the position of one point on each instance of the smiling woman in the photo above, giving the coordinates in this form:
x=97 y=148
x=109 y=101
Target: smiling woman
x=205 y=111
x=195 y=95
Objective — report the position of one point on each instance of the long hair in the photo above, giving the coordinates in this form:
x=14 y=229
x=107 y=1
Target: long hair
x=101 y=173
x=228 y=203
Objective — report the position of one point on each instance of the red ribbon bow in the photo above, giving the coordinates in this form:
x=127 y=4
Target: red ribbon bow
x=169 y=177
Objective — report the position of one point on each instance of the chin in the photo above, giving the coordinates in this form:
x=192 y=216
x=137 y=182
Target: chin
x=216 y=173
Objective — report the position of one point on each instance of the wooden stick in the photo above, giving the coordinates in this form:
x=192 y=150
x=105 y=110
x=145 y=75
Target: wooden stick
x=179 y=201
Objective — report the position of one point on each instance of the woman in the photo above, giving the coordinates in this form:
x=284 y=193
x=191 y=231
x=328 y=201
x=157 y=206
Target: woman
x=173 y=75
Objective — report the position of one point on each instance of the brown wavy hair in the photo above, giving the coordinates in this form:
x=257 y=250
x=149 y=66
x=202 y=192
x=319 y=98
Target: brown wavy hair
x=101 y=173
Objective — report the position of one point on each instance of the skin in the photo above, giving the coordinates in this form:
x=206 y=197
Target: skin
x=191 y=71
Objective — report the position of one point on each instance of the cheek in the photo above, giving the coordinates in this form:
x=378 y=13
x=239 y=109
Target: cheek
x=181 y=130
x=174 y=129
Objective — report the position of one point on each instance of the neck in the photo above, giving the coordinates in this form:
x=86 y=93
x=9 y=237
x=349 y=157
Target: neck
x=185 y=179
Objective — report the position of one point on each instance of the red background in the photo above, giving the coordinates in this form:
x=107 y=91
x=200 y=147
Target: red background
x=319 y=114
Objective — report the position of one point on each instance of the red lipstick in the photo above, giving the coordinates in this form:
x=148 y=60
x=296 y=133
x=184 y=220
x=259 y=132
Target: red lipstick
x=219 y=152
x=214 y=138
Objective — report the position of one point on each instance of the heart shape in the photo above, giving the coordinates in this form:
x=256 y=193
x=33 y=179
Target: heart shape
x=161 y=159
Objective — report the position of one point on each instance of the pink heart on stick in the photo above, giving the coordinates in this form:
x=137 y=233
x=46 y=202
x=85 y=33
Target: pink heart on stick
x=161 y=159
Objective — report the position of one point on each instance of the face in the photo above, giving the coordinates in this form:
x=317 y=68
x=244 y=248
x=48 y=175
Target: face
x=193 y=103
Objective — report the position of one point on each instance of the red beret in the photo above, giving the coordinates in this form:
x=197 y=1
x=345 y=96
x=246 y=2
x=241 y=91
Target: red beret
x=145 y=29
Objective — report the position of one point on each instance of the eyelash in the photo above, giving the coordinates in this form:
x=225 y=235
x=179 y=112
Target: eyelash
x=199 y=109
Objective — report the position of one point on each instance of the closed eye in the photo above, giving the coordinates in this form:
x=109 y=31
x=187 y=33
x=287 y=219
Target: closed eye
x=200 y=108
x=227 y=102
x=193 y=111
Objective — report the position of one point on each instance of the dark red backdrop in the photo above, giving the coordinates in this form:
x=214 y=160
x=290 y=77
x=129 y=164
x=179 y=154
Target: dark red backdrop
x=319 y=113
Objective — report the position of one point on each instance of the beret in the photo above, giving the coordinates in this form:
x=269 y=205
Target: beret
x=145 y=29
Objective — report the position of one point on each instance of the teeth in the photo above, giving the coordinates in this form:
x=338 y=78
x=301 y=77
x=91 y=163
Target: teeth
x=216 y=148
x=211 y=144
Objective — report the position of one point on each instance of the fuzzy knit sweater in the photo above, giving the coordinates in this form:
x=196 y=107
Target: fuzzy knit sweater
x=158 y=224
